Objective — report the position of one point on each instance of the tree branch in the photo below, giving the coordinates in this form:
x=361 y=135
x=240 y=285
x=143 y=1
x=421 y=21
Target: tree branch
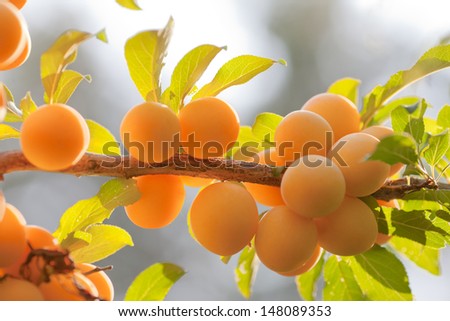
x=182 y=164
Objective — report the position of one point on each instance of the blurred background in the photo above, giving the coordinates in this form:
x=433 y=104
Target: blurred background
x=322 y=41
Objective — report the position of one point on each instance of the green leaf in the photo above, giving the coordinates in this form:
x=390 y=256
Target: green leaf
x=417 y=226
x=129 y=4
x=399 y=119
x=68 y=83
x=425 y=257
x=237 y=71
x=433 y=60
x=307 y=282
x=106 y=240
x=145 y=54
x=403 y=122
x=112 y=194
x=7 y=132
x=410 y=103
x=264 y=126
x=246 y=270
x=62 y=53
x=438 y=146
x=396 y=149
x=27 y=106
x=101 y=140
x=440 y=196
x=443 y=118
x=340 y=283
x=347 y=87
x=154 y=283
x=381 y=275
x=13 y=114
x=186 y=73
x=416 y=129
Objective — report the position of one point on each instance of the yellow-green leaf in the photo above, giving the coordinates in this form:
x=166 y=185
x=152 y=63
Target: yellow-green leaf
x=105 y=241
x=246 y=270
x=62 y=53
x=27 y=105
x=68 y=83
x=433 y=60
x=84 y=213
x=102 y=36
x=340 y=282
x=186 y=73
x=380 y=275
x=237 y=71
x=307 y=282
x=347 y=87
x=13 y=114
x=154 y=283
x=7 y=132
x=145 y=54
x=264 y=127
x=247 y=143
x=101 y=140
x=423 y=256
x=129 y=4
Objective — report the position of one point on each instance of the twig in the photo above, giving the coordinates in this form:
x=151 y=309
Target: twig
x=182 y=164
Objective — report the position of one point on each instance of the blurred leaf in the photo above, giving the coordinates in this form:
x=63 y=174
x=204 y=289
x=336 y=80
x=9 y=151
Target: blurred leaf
x=416 y=129
x=340 y=283
x=380 y=275
x=13 y=114
x=347 y=87
x=443 y=118
x=7 y=132
x=106 y=240
x=396 y=149
x=438 y=146
x=237 y=71
x=246 y=270
x=112 y=194
x=264 y=126
x=145 y=54
x=27 y=105
x=385 y=112
x=154 y=283
x=101 y=140
x=425 y=257
x=431 y=126
x=224 y=259
x=307 y=282
x=68 y=83
x=399 y=119
x=102 y=36
x=129 y=4
x=54 y=61
x=186 y=73
x=433 y=60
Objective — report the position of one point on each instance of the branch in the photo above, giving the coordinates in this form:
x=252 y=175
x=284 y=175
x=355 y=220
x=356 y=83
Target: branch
x=182 y=164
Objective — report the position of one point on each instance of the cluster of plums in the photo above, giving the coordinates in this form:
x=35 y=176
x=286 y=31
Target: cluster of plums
x=34 y=267
x=317 y=205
